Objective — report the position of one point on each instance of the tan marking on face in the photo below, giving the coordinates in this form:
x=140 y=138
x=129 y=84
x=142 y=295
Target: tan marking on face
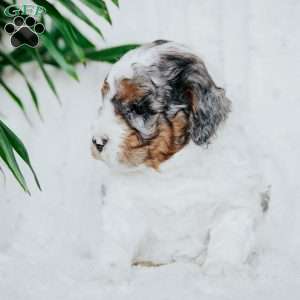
x=134 y=152
x=170 y=138
x=129 y=91
x=105 y=88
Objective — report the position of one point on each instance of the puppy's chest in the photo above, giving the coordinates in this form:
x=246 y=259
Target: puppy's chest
x=165 y=200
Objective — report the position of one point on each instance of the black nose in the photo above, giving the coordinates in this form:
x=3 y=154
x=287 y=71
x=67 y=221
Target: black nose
x=99 y=143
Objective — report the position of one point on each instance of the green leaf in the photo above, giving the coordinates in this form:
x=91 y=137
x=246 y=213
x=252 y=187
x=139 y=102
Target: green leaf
x=12 y=62
x=110 y=55
x=65 y=27
x=17 y=67
x=37 y=57
x=7 y=154
x=12 y=95
x=81 y=40
x=58 y=56
x=80 y=14
x=72 y=40
x=115 y=2
x=34 y=97
x=20 y=55
x=99 y=7
x=19 y=147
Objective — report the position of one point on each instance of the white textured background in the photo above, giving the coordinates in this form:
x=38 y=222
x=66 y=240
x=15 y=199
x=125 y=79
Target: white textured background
x=48 y=241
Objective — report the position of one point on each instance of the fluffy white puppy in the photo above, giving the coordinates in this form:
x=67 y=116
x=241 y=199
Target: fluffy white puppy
x=178 y=191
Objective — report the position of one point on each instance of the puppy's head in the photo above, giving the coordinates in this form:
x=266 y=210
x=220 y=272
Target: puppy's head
x=155 y=100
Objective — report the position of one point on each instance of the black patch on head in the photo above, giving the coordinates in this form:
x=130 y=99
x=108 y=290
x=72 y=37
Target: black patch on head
x=178 y=81
x=142 y=107
x=192 y=90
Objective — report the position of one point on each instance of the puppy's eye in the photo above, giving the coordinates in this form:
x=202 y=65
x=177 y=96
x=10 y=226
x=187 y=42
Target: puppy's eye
x=138 y=109
x=117 y=106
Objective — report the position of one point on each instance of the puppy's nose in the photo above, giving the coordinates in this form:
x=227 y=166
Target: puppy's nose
x=99 y=143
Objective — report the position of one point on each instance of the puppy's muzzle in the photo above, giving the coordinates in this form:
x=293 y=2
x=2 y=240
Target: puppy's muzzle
x=99 y=143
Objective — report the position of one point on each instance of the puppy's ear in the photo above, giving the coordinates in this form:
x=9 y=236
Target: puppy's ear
x=209 y=107
x=194 y=88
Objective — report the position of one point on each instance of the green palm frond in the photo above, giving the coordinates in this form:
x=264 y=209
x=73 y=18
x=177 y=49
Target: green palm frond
x=62 y=45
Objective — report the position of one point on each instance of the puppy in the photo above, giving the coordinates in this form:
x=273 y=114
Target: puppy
x=177 y=190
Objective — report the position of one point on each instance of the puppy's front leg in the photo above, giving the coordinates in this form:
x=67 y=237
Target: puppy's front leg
x=122 y=230
x=231 y=240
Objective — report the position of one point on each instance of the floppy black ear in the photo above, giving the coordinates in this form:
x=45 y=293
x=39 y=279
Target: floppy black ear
x=193 y=87
x=208 y=109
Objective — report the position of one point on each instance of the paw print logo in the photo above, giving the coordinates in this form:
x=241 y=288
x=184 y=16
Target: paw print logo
x=24 y=31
